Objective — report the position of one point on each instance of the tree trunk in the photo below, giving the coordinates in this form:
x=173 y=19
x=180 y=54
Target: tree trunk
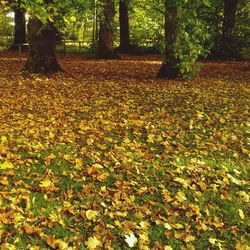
x=227 y=49
x=42 y=44
x=106 y=32
x=169 y=68
x=20 y=26
x=94 y=31
x=124 y=26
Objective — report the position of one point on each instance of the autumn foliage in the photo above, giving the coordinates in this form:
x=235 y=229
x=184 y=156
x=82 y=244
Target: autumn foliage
x=106 y=156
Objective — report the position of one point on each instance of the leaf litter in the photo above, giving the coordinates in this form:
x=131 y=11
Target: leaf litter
x=117 y=159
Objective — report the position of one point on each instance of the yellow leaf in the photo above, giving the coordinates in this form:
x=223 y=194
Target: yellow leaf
x=178 y=226
x=91 y=214
x=3 y=138
x=55 y=243
x=240 y=246
x=144 y=239
x=78 y=163
x=90 y=141
x=51 y=135
x=72 y=19
x=185 y=183
x=98 y=166
x=31 y=230
x=144 y=225
x=6 y=165
x=4 y=181
x=241 y=214
x=189 y=238
x=7 y=246
x=244 y=196
x=180 y=196
x=151 y=138
x=18 y=218
x=167 y=226
x=168 y=248
x=93 y=243
x=46 y=183
x=212 y=240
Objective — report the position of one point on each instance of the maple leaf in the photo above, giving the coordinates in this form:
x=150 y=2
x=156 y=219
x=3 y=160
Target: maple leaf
x=93 y=243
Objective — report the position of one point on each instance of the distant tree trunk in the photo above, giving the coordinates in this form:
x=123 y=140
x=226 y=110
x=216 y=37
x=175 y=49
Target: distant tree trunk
x=95 y=25
x=42 y=44
x=227 y=48
x=106 y=32
x=124 y=26
x=20 y=26
x=169 y=68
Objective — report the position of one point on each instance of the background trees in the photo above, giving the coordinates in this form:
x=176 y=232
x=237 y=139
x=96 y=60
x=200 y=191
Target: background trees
x=200 y=28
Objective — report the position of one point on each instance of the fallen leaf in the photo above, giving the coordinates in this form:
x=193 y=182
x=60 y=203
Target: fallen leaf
x=93 y=243
x=131 y=240
x=6 y=165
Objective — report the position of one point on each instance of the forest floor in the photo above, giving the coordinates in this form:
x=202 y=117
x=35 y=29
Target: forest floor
x=109 y=157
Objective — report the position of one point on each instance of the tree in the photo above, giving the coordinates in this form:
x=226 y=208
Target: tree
x=227 y=46
x=185 y=36
x=169 y=68
x=106 y=32
x=20 y=25
x=42 y=44
x=124 y=26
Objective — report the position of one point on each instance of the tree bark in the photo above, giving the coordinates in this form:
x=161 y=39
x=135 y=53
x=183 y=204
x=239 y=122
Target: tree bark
x=20 y=26
x=106 y=32
x=169 y=68
x=124 y=26
x=42 y=45
x=227 y=48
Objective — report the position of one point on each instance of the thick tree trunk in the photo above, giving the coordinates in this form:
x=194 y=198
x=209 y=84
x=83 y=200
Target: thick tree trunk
x=124 y=26
x=42 y=44
x=20 y=26
x=106 y=32
x=227 y=48
x=169 y=68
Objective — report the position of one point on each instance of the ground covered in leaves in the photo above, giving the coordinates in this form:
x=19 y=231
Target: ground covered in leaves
x=109 y=157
